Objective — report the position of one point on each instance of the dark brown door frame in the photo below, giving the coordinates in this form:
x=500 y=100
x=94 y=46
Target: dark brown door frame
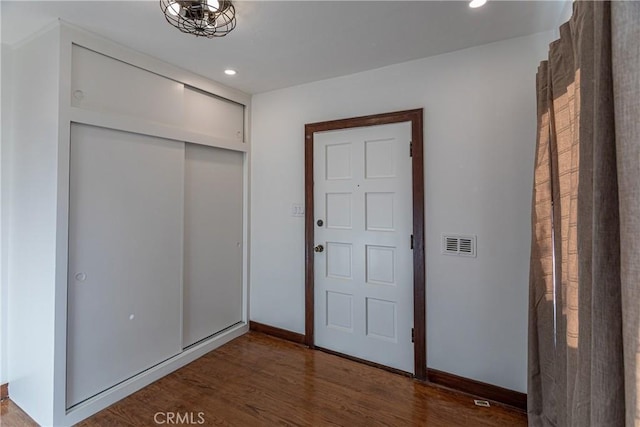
x=419 y=314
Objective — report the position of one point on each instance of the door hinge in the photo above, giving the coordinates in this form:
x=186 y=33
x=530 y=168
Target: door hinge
x=410 y=148
x=413 y=335
x=412 y=241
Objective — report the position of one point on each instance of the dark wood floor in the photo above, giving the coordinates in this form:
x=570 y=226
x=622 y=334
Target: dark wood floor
x=257 y=380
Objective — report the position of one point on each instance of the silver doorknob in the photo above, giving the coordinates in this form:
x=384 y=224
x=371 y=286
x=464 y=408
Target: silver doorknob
x=319 y=248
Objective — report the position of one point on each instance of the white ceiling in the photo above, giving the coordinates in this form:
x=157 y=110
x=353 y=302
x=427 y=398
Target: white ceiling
x=284 y=43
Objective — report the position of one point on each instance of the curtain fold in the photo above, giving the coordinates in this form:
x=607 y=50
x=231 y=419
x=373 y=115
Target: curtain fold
x=600 y=386
x=542 y=411
x=625 y=17
x=584 y=345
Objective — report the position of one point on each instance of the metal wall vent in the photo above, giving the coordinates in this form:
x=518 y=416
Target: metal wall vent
x=457 y=244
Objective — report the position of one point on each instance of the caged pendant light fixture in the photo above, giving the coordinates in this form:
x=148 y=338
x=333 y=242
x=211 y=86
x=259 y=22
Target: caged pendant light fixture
x=202 y=18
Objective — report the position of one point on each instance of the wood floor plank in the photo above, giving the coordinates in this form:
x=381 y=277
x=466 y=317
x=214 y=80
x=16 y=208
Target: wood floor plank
x=258 y=380
x=11 y=415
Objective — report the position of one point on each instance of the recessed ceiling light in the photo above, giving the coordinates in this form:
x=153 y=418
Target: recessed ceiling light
x=477 y=3
x=230 y=72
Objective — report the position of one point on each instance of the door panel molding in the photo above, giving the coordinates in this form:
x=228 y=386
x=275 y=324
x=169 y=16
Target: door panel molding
x=419 y=312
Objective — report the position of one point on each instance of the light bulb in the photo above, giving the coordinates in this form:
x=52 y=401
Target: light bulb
x=213 y=5
x=477 y=3
x=174 y=8
x=230 y=72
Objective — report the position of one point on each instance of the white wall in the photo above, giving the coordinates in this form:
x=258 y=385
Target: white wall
x=32 y=225
x=5 y=108
x=480 y=131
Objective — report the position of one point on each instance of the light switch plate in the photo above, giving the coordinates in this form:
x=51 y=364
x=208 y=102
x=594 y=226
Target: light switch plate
x=297 y=209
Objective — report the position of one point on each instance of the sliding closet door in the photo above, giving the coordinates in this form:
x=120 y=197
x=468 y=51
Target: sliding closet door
x=125 y=257
x=212 y=241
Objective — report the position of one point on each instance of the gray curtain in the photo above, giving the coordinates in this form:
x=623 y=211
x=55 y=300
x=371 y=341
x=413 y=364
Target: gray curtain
x=584 y=317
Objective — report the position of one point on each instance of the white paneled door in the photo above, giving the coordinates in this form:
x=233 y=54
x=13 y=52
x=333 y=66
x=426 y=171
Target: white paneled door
x=363 y=280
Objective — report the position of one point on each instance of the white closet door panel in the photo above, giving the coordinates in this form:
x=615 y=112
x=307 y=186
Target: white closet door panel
x=101 y=83
x=211 y=115
x=212 y=241
x=125 y=257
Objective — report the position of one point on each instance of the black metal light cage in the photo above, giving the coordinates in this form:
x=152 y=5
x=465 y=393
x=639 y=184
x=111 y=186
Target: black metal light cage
x=199 y=17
